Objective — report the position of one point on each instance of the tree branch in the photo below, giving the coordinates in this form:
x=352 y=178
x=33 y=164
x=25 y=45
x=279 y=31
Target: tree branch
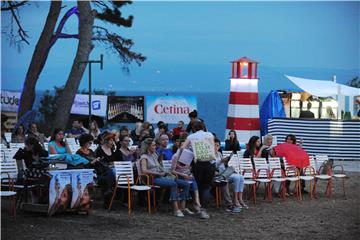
x=65 y=35
x=22 y=33
x=13 y=6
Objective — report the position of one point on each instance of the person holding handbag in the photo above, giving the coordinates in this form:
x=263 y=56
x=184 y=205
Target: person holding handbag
x=150 y=165
x=229 y=174
x=202 y=145
x=181 y=167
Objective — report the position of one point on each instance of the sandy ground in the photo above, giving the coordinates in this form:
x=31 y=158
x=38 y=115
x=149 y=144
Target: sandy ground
x=322 y=218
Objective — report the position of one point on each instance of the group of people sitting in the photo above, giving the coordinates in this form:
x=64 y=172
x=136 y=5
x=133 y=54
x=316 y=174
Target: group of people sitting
x=193 y=179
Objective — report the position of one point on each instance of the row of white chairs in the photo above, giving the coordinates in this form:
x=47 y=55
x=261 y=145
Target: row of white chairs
x=262 y=171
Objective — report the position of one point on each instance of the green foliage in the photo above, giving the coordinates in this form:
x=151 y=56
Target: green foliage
x=355 y=82
x=98 y=92
x=48 y=108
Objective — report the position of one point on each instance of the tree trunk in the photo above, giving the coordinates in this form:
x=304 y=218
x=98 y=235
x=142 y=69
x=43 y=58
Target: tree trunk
x=38 y=59
x=86 y=22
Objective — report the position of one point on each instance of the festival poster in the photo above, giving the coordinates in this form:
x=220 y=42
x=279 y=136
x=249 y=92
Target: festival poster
x=125 y=109
x=169 y=109
x=80 y=181
x=59 y=191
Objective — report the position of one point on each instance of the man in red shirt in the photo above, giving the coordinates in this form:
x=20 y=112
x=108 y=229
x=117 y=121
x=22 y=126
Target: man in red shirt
x=178 y=130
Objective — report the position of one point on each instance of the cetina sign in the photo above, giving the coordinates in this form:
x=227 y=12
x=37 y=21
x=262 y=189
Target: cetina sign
x=10 y=101
x=81 y=105
x=169 y=109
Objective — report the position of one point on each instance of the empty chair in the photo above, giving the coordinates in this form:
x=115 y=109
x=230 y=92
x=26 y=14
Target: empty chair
x=248 y=173
x=125 y=179
x=262 y=175
x=321 y=164
x=339 y=174
x=277 y=175
x=309 y=174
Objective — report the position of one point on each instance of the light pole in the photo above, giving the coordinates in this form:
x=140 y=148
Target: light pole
x=101 y=68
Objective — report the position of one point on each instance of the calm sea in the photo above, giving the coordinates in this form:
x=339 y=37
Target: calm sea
x=212 y=107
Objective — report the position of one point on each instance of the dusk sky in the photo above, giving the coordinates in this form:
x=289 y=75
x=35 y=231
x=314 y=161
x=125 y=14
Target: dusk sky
x=189 y=45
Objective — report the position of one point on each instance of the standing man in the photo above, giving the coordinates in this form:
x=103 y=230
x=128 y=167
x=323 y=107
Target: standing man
x=307 y=113
x=202 y=144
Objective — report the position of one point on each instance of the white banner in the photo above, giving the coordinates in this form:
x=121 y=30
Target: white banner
x=81 y=105
x=10 y=101
x=169 y=109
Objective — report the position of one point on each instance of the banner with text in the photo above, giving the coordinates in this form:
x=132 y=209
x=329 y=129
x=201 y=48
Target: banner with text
x=125 y=109
x=10 y=101
x=169 y=109
x=81 y=105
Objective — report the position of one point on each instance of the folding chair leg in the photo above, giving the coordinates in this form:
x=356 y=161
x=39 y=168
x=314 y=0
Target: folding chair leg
x=112 y=199
x=314 y=189
x=129 y=201
x=269 y=192
x=13 y=206
x=254 y=194
x=154 y=199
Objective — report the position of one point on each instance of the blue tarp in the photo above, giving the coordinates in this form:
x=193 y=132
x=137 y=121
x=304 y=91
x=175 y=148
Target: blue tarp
x=271 y=108
x=72 y=159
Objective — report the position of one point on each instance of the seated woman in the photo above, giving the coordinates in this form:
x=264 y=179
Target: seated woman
x=183 y=171
x=125 y=152
x=94 y=129
x=151 y=166
x=232 y=144
x=292 y=140
x=236 y=179
x=33 y=132
x=33 y=151
x=264 y=150
x=18 y=135
x=253 y=148
x=105 y=176
x=106 y=150
x=57 y=145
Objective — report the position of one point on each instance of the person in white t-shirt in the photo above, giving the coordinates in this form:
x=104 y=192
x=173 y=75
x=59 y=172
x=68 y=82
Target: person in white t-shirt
x=202 y=144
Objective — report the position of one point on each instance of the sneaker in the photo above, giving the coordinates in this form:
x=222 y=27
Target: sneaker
x=203 y=215
x=236 y=209
x=187 y=211
x=243 y=205
x=178 y=213
x=229 y=208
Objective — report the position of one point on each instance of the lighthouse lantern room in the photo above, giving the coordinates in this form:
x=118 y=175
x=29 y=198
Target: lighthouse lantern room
x=243 y=108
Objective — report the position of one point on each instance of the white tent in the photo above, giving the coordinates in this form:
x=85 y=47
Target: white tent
x=325 y=88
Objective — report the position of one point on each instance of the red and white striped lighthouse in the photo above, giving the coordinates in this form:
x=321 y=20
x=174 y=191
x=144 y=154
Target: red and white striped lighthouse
x=243 y=110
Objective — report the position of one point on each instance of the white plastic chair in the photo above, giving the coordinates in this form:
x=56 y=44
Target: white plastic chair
x=321 y=163
x=248 y=173
x=277 y=174
x=125 y=180
x=309 y=174
x=292 y=174
x=262 y=175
